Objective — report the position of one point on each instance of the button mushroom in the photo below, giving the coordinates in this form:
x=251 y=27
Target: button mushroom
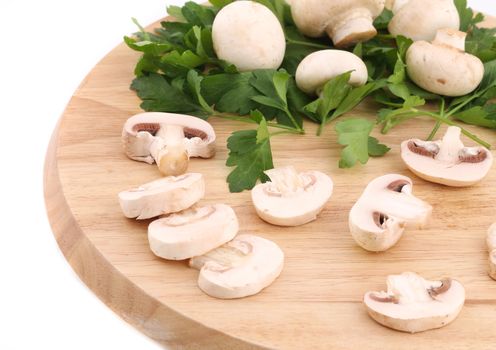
x=168 y=140
x=192 y=232
x=248 y=35
x=378 y=218
x=167 y=195
x=448 y=161
x=240 y=268
x=443 y=67
x=421 y=19
x=412 y=304
x=315 y=70
x=345 y=22
x=291 y=198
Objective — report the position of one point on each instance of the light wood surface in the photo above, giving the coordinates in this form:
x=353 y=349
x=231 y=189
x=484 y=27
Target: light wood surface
x=317 y=301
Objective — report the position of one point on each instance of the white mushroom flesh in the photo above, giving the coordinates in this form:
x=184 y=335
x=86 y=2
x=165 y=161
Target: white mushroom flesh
x=413 y=304
x=192 y=232
x=379 y=217
x=345 y=22
x=291 y=198
x=447 y=161
x=164 y=196
x=315 y=70
x=248 y=35
x=168 y=139
x=442 y=67
x=421 y=19
x=240 y=268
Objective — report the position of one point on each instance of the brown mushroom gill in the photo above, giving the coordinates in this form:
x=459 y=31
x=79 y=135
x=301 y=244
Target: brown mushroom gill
x=419 y=149
x=443 y=288
x=192 y=133
x=397 y=186
x=384 y=299
x=152 y=128
x=468 y=156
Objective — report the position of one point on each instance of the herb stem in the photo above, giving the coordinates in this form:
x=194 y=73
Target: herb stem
x=309 y=44
x=288 y=129
x=293 y=120
x=438 y=123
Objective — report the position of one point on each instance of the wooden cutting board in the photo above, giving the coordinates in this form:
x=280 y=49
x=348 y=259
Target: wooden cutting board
x=317 y=301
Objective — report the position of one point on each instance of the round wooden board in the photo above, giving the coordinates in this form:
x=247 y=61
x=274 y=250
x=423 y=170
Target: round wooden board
x=316 y=303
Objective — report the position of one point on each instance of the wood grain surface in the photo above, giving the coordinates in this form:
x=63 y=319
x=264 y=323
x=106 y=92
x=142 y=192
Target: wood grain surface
x=317 y=301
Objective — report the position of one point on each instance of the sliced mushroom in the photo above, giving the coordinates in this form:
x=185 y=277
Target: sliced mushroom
x=315 y=70
x=346 y=22
x=192 y=232
x=164 y=196
x=240 y=268
x=491 y=237
x=413 y=304
x=168 y=139
x=421 y=19
x=379 y=217
x=443 y=67
x=248 y=35
x=447 y=161
x=492 y=264
x=291 y=198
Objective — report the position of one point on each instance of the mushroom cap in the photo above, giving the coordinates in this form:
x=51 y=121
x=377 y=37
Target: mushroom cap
x=164 y=196
x=346 y=22
x=248 y=35
x=256 y=263
x=192 y=232
x=446 y=167
x=315 y=70
x=139 y=134
x=443 y=69
x=492 y=264
x=291 y=198
x=379 y=217
x=414 y=307
x=421 y=19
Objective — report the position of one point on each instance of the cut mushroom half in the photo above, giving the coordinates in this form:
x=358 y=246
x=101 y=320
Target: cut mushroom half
x=192 y=232
x=412 y=304
x=291 y=198
x=168 y=140
x=491 y=237
x=240 y=268
x=164 y=196
x=379 y=217
x=447 y=161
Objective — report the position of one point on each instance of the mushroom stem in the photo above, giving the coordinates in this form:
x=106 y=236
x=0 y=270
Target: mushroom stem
x=171 y=156
x=352 y=30
x=396 y=5
x=450 y=37
x=451 y=146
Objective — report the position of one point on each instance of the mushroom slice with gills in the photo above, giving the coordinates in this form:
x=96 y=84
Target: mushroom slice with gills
x=164 y=196
x=248 y=35
x=412 y=304
x=492 y=264
x=291 y=198
x=379 y=217
x=491 y=237
x=442 y=66
x=240 y=268
x=192 y=232
x=316 y=69
x=168 y=140
x=346 y=22
x=447 y=161
x=421 y=19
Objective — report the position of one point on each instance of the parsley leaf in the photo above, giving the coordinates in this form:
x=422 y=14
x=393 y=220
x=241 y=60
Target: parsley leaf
x=250 y=153
x=355 y=135
x=467 y=19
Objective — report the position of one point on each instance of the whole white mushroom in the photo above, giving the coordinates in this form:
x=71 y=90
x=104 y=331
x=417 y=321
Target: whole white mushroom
x=248 y=35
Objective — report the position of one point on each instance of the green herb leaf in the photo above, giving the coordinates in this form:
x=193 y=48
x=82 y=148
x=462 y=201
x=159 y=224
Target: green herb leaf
x=355 y=135
x=467 y=19
x=250 y=153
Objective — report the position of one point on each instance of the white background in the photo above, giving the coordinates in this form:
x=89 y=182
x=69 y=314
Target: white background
x=47 y=47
